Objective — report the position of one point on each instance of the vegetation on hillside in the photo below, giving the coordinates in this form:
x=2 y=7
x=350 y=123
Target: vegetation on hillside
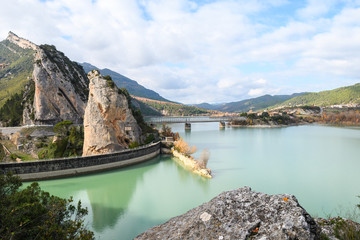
x=145 y=109
x=2 y=152
x=32 y=213
x=174 y=109
x=265 y=119
x=343 y=95
x=68 y=142
x=349 y=117
x=11 y=112
x=18 y=70
x=255 y=104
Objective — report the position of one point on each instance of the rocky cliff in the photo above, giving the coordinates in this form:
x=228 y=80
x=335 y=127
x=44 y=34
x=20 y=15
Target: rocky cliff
x=240 y=214
x=53 y=88
x=61 y=89
x=21 y=42
x=108 y=122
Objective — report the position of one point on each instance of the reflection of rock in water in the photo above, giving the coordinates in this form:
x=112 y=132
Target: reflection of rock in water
x=110 y=197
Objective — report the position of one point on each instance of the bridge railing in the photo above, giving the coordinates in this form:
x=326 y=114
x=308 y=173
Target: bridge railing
x=155 y=120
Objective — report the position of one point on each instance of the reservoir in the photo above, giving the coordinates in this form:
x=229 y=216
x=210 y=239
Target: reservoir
x=318 y=164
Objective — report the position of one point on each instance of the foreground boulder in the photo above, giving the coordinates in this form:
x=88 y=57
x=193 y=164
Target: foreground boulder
x=240 y=214
x=109 y=125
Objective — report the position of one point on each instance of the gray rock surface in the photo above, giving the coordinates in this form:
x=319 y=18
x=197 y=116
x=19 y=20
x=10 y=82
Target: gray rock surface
x=240 y=214
x=61 y=88
x=109 y=125
x=21 y=42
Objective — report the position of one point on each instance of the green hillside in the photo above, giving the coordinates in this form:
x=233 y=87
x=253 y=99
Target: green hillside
x=123 y=82
x=174 y=109
x=16 y=70
x=247 y=104
x=343 y=95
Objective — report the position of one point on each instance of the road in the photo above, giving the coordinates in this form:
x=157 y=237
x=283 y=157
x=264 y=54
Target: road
x=10 y=130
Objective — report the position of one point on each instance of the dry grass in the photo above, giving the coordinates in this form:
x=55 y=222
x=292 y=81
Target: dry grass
x=182 y=147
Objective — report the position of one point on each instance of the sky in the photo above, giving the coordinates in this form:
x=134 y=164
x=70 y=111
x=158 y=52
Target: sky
x=195 y=51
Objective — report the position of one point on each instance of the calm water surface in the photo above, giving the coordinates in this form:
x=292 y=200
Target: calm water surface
x=319 y=165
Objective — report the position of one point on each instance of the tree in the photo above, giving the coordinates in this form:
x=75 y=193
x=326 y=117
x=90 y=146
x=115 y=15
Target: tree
x=62 y=128
x=35 y=214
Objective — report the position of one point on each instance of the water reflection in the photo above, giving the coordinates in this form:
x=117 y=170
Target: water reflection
x=110 y=197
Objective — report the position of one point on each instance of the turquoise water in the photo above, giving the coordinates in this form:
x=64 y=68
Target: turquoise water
x=319 y=165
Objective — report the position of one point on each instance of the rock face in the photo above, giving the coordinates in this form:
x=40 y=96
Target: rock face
x=61 y=89
x=108 y=122
x=240 y=214
x=23 y=43
x=58 y=88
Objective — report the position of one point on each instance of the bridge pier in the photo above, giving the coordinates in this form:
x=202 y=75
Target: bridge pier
x=187 y=126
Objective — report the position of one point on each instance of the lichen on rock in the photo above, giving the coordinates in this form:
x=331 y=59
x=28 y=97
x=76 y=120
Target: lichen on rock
x=109 y=125
x=240 y=214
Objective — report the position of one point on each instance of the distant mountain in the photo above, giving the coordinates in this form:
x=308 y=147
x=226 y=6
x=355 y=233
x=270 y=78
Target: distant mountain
x=338 y=96
x=207 y=106
x=173 y=109
x=253 y=103
x=121 y=81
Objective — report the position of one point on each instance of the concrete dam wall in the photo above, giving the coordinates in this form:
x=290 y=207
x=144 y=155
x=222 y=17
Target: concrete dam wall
x=65 y=167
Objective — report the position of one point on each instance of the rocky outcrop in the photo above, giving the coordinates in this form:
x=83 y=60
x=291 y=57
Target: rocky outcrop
x=57 y=88
x=61 y=89
x=240 y=214
x=21 y=42
x=108 y=122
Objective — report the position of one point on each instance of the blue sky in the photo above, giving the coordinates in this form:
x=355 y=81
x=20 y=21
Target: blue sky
x=206 y=50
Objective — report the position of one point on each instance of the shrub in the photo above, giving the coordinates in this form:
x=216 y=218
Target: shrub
x=13 y=156
x=149 y=138
x=182 y=147
x=32 y=213
x=134 y=144
x=62 y=128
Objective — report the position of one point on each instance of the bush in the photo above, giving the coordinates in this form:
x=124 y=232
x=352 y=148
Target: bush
x=67 y=145
x=35 y=214
x=149 y=138
x=62 y=128
x=2 y=152
x=182 y=147
x=13 y=156
x=134 y=144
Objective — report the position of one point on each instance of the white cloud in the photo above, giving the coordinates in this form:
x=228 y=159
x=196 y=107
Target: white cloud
x=256 y=92
x=193 y=51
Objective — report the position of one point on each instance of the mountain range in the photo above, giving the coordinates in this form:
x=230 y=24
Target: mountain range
x=254 y=104
x=40 y=85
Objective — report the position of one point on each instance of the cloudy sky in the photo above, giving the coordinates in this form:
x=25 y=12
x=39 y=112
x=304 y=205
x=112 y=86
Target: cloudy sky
x=195 y=51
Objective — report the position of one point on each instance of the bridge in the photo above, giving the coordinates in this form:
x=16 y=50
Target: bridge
x=189 y=120
x=155 y=120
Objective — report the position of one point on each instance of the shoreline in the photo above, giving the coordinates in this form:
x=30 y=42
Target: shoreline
x=191 y=164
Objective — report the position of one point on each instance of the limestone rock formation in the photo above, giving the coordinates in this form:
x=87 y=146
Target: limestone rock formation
x=240 y=214
x=56 y=89
x=108 y=122
x=60 y=88
x=21 y=42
